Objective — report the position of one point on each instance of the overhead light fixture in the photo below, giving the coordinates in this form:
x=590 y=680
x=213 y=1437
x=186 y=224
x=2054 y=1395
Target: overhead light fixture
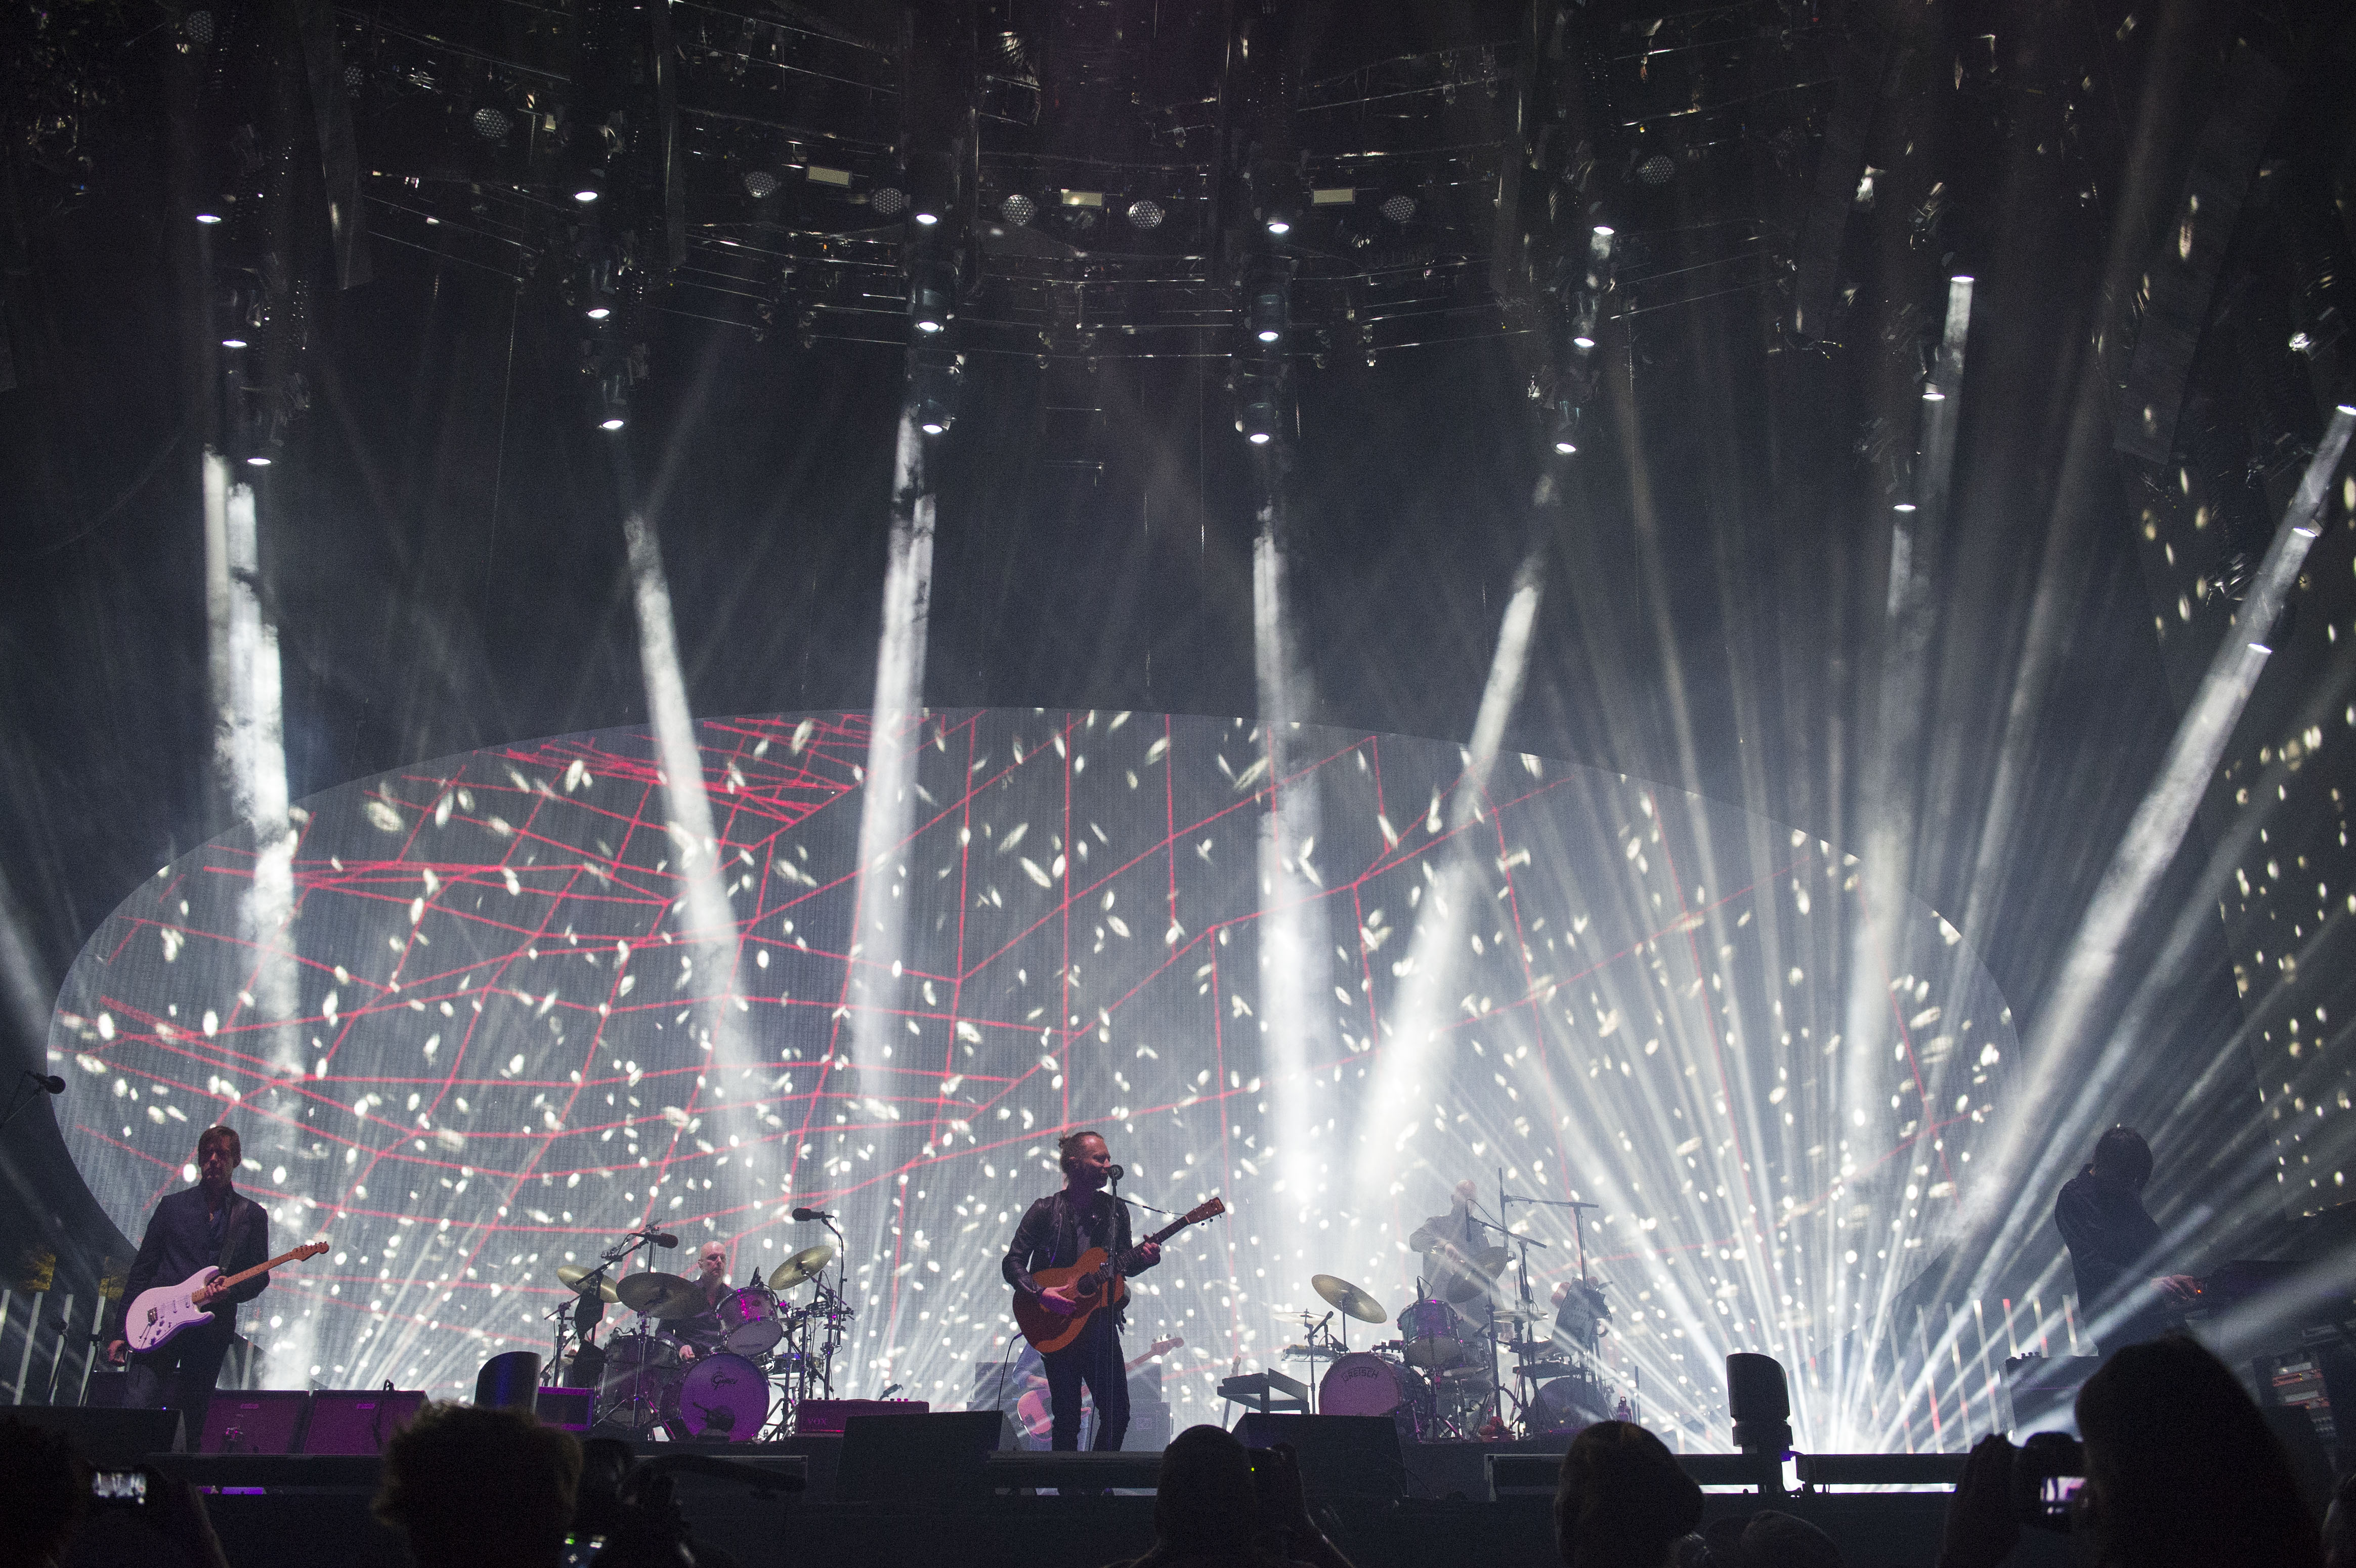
x=613 y=402
x=1931 y=393
x=1565 y=428
x=1083 y=198
x=1018 y=210
x=1656 y=170
x=932 y=392
x=1333 y=196
x=1605 y=231
x=259 y=461
x=491 y=124
x=1279 y=226
x=1257 y=438
x=1267 y=314
x=1582 y=342
x=1398 y=208
x=760 y=183
x=1145 y=213
x=818 y=173
x=232 y=343
x=927 y=219
x=1903 y=506
x=889 y=201
x=209 y=217
x=932 y=295
x=599 y=312
x=2260 y=648
x=585 y=193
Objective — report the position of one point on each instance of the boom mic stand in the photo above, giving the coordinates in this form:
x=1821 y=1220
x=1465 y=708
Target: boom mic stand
x=582 y=1314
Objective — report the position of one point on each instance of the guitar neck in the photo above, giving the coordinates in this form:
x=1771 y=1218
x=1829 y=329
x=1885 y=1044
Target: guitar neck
x=265 y=1267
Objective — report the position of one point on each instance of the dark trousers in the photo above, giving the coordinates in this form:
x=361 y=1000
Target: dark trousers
x=1093 y=1359
x=179 y=1375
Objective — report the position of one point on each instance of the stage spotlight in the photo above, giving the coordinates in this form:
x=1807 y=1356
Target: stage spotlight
x=232 y=343
x=889 y=201
x=613 y=402
x=1604 y=230
x=1903 y=506
x=209 y=217
x=932 y=388
x=932 y=296
x=1656 y=169
x=1931 y=393
x=584 y=191
x=760 y=183
x=1267 y=312
x=1279 y=225
x=1565 y=428
x=259 y=461
x=1398 y=209
x=929 y=219
x=1761 y=1403
x=1145 y=214
x=490 y=124
x=1582 y=342
x=599 y=312
x=199 y=25
x=1258 y=421
x=1018 y=210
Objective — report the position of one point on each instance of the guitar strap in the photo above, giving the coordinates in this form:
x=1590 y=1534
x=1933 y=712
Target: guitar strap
x=238 y=1205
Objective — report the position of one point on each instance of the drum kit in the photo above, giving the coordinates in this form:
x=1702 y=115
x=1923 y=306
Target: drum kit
x=1440 y=1379
x=739 y=1373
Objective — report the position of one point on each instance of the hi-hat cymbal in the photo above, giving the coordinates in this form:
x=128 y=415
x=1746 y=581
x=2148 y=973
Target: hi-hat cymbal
x=1523 y=1314
x=664 y=1295
x=1469 y=1274
x=1338 y=1292
x=573 y=1274
x=806 y=1265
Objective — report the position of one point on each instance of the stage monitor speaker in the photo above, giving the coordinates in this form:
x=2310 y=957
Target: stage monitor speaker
x=824 y=1415
x=1341 y=1456
x=573 y=1409
x=110 y=1439
x=258 y=1421
x=357 y=1419
x=511 y=1381
x=930 y=1458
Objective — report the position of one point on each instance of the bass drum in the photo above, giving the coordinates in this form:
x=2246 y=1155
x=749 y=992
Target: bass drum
x=1363 y=1385
x=639 y=1370
x=1568 y=1405
x=723 y=1399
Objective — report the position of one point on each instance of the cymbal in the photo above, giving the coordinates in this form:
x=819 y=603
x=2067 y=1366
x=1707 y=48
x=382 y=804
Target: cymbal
x=1523 y=1315
x=1338 y=1292
x=806 y=1265
x=572 y=1274
x=664 y=1295
x=1468 y=1275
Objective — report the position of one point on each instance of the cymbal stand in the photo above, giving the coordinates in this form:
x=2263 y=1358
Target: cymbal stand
x=1322 y=1331
x=586 y=1308
x=1505 y=1201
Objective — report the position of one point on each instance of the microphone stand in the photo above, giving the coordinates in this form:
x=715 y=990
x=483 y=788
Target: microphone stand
x=590 y=1289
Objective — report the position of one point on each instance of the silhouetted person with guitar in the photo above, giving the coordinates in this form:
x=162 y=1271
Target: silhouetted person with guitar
x=206 y=1223
x=1055 y=1232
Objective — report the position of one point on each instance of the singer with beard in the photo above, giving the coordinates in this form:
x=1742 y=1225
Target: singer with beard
x=1054 y=1232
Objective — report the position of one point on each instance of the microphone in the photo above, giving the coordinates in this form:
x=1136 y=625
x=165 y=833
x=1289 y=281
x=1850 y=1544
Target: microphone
x=1119 y=1171
x=812 y=1214
x=888 y=1392
x=49 y=1081
x=662 y=1237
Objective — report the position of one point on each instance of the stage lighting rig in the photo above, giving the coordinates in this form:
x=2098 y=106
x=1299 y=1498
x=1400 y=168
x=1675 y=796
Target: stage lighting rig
x=932 y=295
x=933 y=378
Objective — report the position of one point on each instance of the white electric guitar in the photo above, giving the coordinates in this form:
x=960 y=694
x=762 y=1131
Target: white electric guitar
x=160 y=1312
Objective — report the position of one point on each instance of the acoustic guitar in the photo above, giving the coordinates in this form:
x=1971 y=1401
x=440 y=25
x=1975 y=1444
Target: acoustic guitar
x=1097 y=1281
x=1031 y=1412
x=160 y=1312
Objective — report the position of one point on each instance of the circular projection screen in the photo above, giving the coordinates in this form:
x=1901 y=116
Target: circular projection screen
x=469 y=1030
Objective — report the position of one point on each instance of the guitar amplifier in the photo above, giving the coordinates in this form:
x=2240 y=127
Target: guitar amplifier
x=573 y=1409
x=828 y=1415
x=254 y=1421
x=357 y=1421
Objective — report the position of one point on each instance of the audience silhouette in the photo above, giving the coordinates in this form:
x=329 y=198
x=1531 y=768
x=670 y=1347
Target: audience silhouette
x=44 y=1491
x=2182 y=1471
x=1623 y=1501
x=480 y=1487
x=1766 y=1540
x=1221 y=1505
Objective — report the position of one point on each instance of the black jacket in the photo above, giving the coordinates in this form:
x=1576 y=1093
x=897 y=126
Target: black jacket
x=1057 y=1228
x=2115 y=1251
x=179 y=1242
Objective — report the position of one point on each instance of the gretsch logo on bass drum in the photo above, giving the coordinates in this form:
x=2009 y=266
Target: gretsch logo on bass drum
x=1352 y=1374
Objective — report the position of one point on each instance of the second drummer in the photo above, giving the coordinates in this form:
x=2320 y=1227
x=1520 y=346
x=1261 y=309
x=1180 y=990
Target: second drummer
x=700 y=1335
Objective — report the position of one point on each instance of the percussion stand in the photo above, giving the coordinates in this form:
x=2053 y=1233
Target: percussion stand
x=586 y=1310
x=1579 y=1239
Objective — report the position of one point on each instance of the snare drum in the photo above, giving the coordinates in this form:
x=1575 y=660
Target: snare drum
x=1363 y=1385
x=1435 y=1334
x=749 y=1324
x=722 y=1398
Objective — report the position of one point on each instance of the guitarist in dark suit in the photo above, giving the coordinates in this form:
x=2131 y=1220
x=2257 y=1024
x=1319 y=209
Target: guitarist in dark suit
x=206 y=1223
x=1054 y=1232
